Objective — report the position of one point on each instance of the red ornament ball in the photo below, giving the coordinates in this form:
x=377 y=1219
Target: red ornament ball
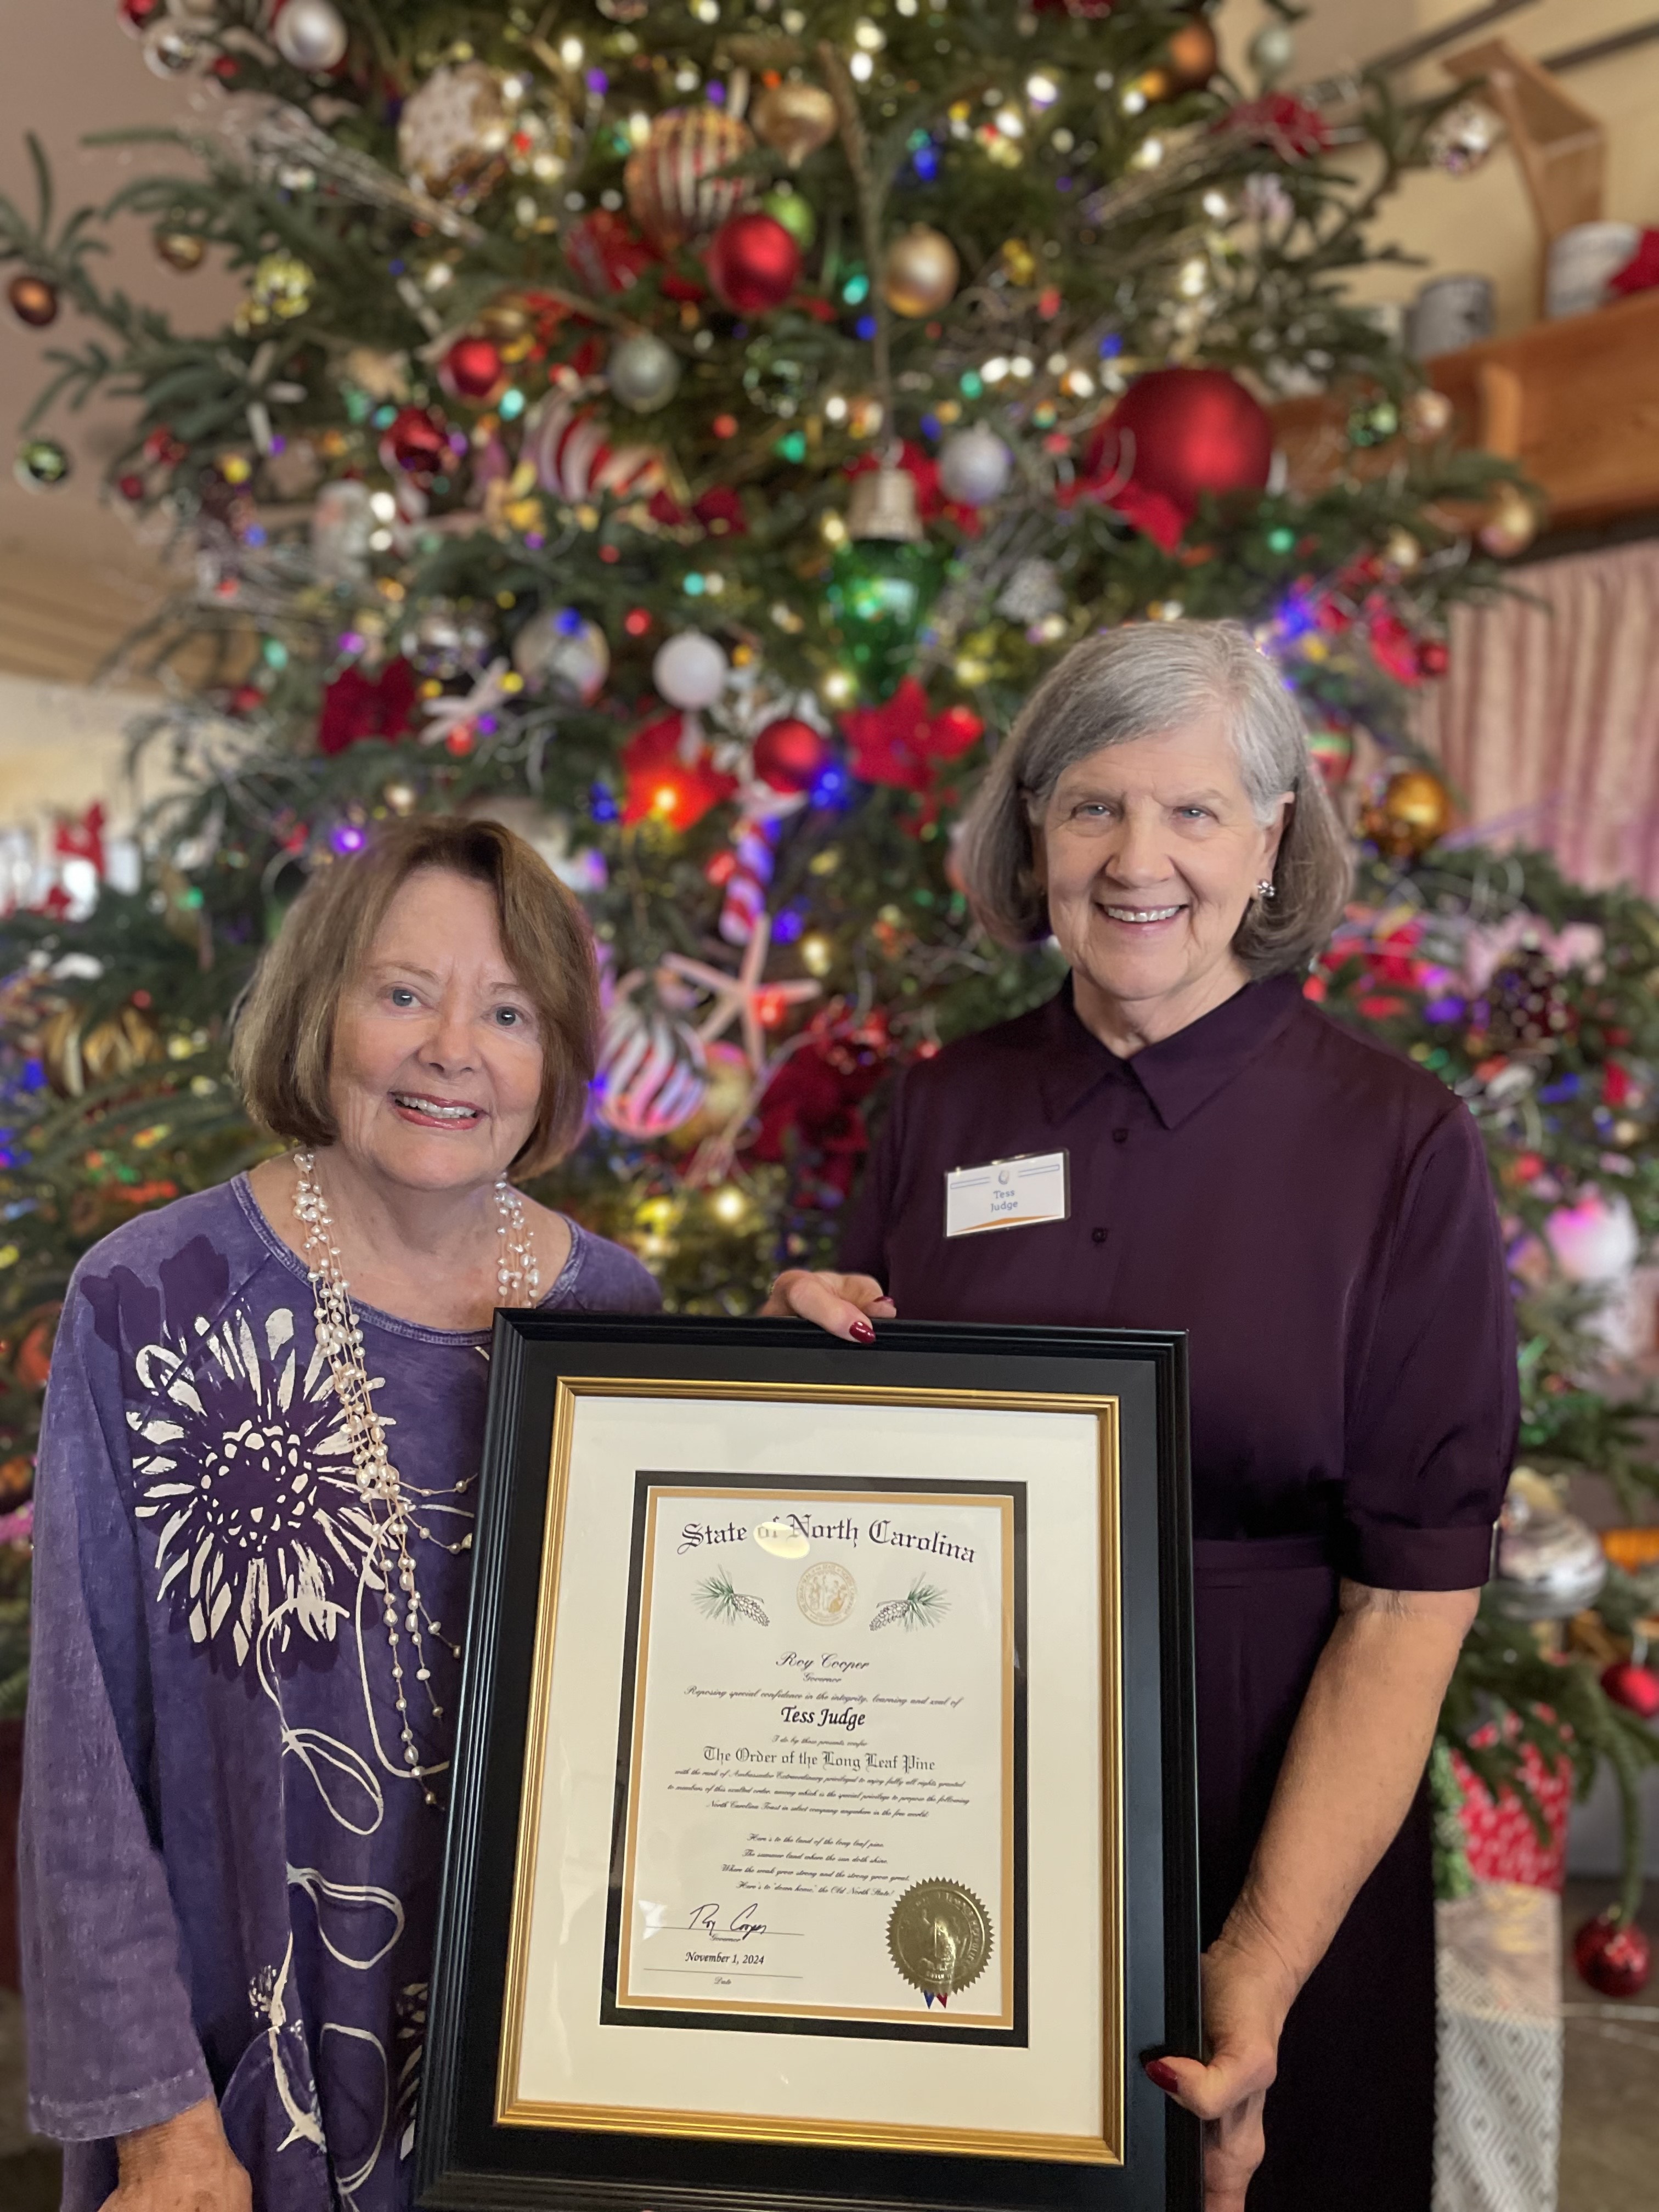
x=131 y=486
x=1180 y=434
x=1634 y=1687
x=474 y=367
x=1433 y=656
x=1613 y=1957
x=753 y=263
x=414 y=442
x=137 y=15
x=790 y=754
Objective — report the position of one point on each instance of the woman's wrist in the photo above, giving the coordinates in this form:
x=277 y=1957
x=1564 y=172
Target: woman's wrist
x=196 y=2136
x=1249 y=1945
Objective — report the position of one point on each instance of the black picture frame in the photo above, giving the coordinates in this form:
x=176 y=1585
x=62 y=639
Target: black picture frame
x=463 y=2158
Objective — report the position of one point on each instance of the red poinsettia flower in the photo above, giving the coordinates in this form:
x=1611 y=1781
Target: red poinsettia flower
x=671 y=776
x=900 y=741
x=1288 y=127
x=817 y=1096
x=357 y=705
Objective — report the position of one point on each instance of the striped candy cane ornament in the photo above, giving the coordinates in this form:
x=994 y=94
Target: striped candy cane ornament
x=745 y=887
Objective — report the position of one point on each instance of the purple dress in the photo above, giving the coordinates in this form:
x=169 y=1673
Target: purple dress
x=229 y=1880
x=1316 y=1213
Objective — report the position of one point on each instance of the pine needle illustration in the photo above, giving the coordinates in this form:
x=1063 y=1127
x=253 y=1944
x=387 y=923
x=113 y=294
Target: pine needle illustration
x=721 y=1600
x=921 y=1607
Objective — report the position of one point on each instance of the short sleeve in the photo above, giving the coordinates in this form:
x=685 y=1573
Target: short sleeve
x=1433 y=1410
x=111 y=2043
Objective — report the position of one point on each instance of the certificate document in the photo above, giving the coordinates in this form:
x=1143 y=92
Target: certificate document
x=821 y=1761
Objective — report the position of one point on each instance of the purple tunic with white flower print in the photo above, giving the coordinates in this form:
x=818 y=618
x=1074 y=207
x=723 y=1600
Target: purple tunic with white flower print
x=229 y=1878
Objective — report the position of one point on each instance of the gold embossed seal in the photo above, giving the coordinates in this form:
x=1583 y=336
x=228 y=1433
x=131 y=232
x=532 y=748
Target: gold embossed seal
x=940 y=1936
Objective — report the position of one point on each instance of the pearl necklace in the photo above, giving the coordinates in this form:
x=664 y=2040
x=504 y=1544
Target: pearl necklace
x=340 y=1340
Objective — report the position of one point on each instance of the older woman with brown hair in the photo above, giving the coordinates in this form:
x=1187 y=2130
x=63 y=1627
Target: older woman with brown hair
x=254 y=1503
x=1316 y=1212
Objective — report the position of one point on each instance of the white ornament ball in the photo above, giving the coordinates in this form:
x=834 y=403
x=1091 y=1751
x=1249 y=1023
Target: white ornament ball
x=560 y=653
x=311 y=35
x=642 y=372
x=652 y=1071
x=690 y=671
x=1595 y=1241
x=1273 y=52
x=974 y=466
x=1550 y=1564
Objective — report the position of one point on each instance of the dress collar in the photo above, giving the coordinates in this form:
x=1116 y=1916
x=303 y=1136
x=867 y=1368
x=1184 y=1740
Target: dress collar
x=1180 y=1073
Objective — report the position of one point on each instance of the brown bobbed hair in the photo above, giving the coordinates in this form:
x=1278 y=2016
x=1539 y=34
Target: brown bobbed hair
x=282 y=1047
x=1138 y=681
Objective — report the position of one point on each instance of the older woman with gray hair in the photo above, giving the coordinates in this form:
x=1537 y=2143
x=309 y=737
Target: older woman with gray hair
x=1316 y=1212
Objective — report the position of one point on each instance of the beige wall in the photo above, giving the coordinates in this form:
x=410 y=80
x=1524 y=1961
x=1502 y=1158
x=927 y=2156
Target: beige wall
x=1483 y=223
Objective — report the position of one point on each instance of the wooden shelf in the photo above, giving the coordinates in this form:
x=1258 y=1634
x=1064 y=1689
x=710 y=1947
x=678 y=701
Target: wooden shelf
x=1575 y=402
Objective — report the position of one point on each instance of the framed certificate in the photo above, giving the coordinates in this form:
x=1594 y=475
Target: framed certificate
x=822 y=1823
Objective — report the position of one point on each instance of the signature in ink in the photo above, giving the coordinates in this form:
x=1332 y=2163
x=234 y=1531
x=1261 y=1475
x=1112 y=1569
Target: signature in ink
x=705 y=1920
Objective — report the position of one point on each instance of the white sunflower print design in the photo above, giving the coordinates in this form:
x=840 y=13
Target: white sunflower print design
x=244 y=1474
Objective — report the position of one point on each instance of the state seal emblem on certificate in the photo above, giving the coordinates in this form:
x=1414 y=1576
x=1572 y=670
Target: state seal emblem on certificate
x=824 y=1776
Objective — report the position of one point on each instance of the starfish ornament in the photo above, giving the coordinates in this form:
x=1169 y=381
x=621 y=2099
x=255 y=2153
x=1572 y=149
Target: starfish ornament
x=741 y=997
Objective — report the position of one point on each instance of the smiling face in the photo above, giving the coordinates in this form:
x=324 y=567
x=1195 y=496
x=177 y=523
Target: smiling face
x=436 y=1071
x=1150 y=851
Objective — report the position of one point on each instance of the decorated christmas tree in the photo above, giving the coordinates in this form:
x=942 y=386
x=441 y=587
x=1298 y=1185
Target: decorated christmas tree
x=687 y=432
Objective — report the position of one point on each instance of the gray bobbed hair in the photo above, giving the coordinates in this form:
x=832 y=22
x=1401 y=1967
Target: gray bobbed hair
x=1140 y=682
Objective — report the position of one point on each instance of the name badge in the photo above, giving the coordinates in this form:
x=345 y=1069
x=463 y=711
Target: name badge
x=1007 y=1194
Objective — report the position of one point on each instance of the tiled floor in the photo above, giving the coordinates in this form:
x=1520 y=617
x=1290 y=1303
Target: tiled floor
x=1609 y=2128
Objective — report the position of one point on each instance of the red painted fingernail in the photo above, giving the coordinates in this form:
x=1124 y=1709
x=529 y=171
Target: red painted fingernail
x=862 y=1332
x=1161 y=2076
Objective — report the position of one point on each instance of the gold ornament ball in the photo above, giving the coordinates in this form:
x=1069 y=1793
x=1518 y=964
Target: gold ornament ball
x=1511 y=522
x=506 y=318
x=76 y=1058
x=730 y=1085
x=1401 y=552
x=1428 y=414
x=920 y=272
x=794 y=120
x=672 y=183
x=32 y=300
x=1192 y=57
x=180 y=249
x=1414 y=813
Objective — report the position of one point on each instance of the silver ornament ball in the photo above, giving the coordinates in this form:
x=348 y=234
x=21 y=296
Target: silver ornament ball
x=1550 y=1564
x=1463 y=138
x=1273 y=52
x=444 y=641
x=642 y=372
x=171 y=47
x=974 y=466
x=311 y=35
x=561 y=653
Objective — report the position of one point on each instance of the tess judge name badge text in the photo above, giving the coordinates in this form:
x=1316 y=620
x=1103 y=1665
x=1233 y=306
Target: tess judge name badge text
x=1006 y=1194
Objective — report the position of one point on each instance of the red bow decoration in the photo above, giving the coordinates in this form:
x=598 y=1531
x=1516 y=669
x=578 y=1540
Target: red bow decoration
x=1154 y=513
x=672 y=777
x=1288 y=127
x=356 y=705
x=83 y=840
x=901 y=741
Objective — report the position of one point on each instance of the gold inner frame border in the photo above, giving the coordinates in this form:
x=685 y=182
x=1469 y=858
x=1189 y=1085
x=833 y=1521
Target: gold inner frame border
x=513 y=2111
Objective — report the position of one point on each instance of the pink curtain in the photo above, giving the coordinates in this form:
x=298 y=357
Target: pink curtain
x=1548 y=722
